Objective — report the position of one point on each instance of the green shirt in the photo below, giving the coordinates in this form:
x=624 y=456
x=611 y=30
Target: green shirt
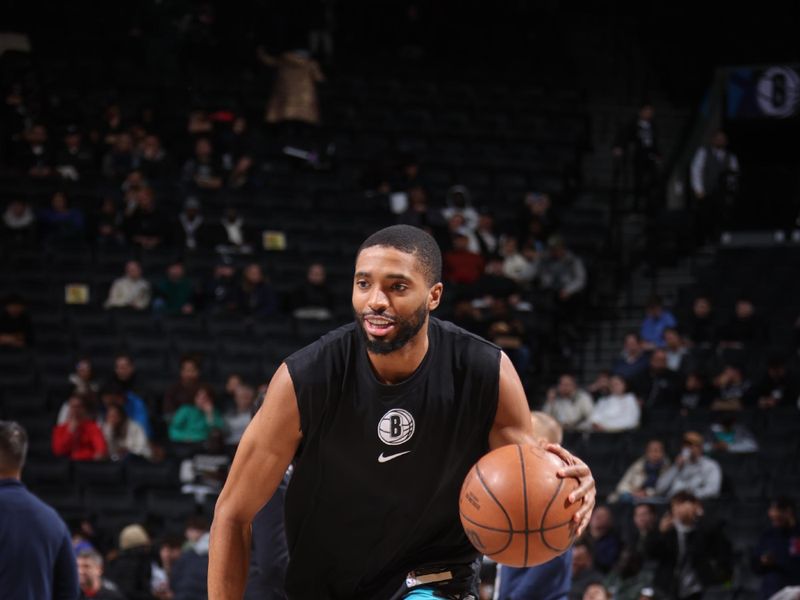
x=190 y=424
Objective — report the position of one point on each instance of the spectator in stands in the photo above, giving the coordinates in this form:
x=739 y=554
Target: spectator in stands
x=691 y=471
x=193 y=422
x=714 y=178
x=169 y=551
x=696 y=392
x=124 y=436
x=657 y=387
x=701 y=326
x=605 y=541
x=174 y=294
x=294 y=93
x=726 y=435
x=676 y=349
x=628 y=576
x=220 y=292
x=16 y=328
x=37 y=560
x=504 y=329
x=192 y=231
x=460 y=265
x=19 y=224
x=231 y=234
x=639 y=137
x=494 y=284
x=256 y=297
x=644 y=523
x=731 y=389
x=596 y=591
x=75 y=160
x=131 y=569
x=205 y=471
x=313 y=299
x=183 y=391
x=61 y=224
x=417 y=211
x=190 y=571
x=120 y=158
x=125 y=377
x=562 y=272
x=639 y=481
x=537 y=220
x=776 y=557
x=616 y=412
x=83 y=380
x=776 y=387
x=745 y=329
x=131 y=290
x=486 y=236
x=90 y=576
x=691 y=553
x=79 y=437
x=584 y=573
x=203 y=172
x=147 y=227
x=107 y=226
x=633 y=360
x=601 y=386
x=35 y=155
x=657 y=319
x=111 y=125
x=517 y=265
x=237 y=420
x=458 y=201
x=151 y=158
x=568 y=404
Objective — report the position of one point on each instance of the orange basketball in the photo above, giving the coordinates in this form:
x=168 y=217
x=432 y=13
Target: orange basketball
x=514 y=507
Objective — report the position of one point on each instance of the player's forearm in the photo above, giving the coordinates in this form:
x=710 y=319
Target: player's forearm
x=228 y=558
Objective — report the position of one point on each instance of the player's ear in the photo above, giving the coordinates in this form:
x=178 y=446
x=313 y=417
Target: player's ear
x=435 y=295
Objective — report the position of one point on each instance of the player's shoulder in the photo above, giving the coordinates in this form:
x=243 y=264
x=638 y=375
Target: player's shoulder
x=466 y=346
x=333 y=346
x=461 y=336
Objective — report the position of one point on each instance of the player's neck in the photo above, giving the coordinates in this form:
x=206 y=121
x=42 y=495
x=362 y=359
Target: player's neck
x=397 y=366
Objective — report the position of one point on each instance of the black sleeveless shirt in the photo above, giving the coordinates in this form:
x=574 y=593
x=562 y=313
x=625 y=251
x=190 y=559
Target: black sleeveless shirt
x=375 y=489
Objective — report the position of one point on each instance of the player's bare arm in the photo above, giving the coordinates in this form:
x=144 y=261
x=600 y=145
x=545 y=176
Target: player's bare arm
x=265 y=451
x=512 y=425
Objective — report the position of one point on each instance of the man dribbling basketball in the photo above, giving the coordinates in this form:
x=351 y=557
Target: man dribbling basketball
x=383 y=419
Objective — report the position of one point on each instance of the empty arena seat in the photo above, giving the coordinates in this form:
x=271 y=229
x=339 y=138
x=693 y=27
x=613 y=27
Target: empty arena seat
x=169 y=505
x=141 y=475
x=98 y=473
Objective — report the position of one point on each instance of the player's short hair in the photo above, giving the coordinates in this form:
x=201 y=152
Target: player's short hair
x=13 y=446
x=411 y=240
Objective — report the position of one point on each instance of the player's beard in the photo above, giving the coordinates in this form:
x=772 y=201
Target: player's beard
x=405 y=329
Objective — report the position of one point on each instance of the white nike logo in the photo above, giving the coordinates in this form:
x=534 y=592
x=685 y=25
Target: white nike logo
x=383 y=459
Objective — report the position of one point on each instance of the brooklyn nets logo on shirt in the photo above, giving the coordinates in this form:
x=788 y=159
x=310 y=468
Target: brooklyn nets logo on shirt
x=396 y=427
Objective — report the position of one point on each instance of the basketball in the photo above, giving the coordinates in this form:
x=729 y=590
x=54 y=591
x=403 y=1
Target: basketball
x=514 y=508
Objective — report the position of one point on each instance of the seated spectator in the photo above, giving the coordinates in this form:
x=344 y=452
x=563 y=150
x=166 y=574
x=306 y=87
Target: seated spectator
x=776 y=387
x=676 y=349
x=616 y=412
x=657 y=319
x=633 y=360
x=776 y=556
x=601 y=386
x=517 y=265
x=125 y=377
x=237 y=420
x=61 y=224
x=486 y=235
x=731 y=389
x=504 y=329
x=413 y=208
x=192 y=232
x=123 y=436
x=16 y=328
x=701 y=328
x=151 y=158
x=120 y=158
x=220 y=292
x=726 y=435
x=75 y=160
x=205 y=472
x=146 y=226
x=605 y=541
x=597 y=591
x=90 y=578
x=696 y=392
x=131 y=568
x=231 y=235
x=584 y=573
x=82 y=380
x=639 y=481
x=194 y=422
x=35 y=157
x=203 y=171
x=493 y=284
x=628 y=576
x=569 y=405
x=691 y=553
x=460 y=265
x=458 y=202
x=131 y=290
x=190 y=571
x=467 y=316
x=174 y=293
x=79 y=438
x=745 y=329
x=691 y=471
x=19 y=224
x=107 y=226
x=313 y=299
x=257 y=297
x=657 y=386
x=562 y=273
x=183 y=391
x=169 y=551
x=537 y=219
x=644 y=523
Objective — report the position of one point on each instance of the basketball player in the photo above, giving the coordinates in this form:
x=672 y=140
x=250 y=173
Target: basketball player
x=383 y=419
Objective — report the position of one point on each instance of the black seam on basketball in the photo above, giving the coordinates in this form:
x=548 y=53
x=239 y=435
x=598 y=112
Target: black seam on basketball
x=502 y=508
x=544 y=516
x=524 y=500
x=514 y=531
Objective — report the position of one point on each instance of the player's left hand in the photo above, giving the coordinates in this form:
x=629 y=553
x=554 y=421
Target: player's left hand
x=585 y=492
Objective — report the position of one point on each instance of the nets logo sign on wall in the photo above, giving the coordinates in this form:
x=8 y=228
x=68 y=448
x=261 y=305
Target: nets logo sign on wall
x=763 y=92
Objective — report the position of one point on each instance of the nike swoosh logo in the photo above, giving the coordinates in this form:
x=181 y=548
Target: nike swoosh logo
x=383 y=459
